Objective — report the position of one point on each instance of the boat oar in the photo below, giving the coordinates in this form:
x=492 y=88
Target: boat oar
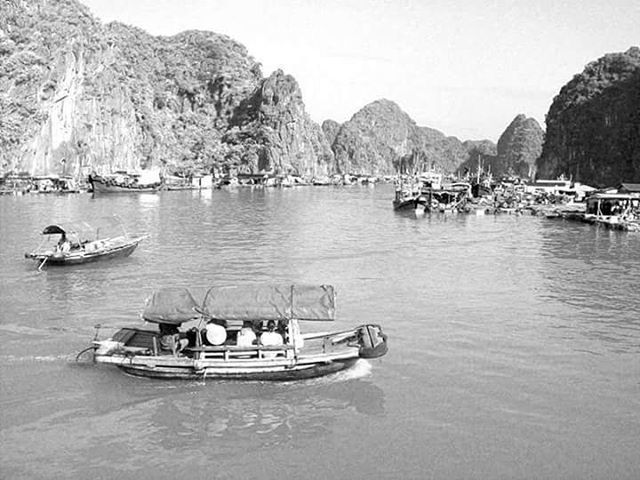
x=42 y=264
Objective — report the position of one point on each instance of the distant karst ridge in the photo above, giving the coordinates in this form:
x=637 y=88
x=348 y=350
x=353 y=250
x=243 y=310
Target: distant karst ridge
x=78 y=96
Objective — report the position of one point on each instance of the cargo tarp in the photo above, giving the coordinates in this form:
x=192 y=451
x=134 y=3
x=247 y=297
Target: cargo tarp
x=302 y=302
x=172 y=306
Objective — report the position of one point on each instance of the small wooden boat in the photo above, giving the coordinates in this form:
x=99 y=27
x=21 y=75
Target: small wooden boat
x=126 y=182
x=216 y=347
x=75 y=243
x=618 y=211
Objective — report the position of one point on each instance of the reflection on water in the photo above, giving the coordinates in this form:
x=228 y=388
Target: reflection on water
x=155 y=421
x=591 y=275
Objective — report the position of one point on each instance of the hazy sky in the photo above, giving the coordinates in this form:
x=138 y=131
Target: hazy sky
x=464 y=67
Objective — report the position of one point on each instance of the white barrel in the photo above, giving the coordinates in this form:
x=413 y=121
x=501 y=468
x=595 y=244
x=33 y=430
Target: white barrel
x=216 y=334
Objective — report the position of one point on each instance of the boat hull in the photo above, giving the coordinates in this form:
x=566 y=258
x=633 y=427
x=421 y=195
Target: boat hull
x=176 y=368
x=101 y=186
x=417 y=203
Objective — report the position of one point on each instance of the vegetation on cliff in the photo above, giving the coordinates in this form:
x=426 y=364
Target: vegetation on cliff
x=519 y=147
x=593 y=125
x=273 y=125
x=381 y=138
x=515 y=154
x=78 y=95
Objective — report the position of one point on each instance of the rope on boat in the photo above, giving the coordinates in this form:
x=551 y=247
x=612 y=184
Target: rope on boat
x=83 y=351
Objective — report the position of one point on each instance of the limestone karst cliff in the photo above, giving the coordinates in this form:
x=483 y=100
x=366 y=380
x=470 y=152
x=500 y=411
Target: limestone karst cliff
x=593 y=125
x=330 y=129
x=519 y=147
x=76 y=95
x=381 y=138
x=273 y=124
x=515 y=154
x=481 y=155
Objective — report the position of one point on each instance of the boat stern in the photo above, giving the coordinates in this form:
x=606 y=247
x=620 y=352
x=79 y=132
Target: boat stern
x=372 y=341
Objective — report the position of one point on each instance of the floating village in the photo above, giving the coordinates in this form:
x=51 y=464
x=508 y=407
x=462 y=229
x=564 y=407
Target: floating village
x=616 y=207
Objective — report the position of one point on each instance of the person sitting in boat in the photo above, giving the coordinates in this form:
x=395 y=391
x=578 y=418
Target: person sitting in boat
x=246 y=336
x=271 y=338
x=64 y=245
x=171 y=339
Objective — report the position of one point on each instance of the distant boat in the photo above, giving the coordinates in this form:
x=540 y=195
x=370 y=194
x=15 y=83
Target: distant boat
x=127 y=182
x=451 y=198
x=619 y=211
x=413 y=193
x=410 y=200
x=321 y=181
x=242 y=333
x=76 y=243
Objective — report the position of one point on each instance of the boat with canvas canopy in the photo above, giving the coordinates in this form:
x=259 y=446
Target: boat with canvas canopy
x=242 y=332
x=80 y=242
x=614 y=210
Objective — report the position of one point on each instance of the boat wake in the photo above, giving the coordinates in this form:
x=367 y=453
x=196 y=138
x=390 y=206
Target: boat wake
x=13 y=359
x=22 y=330
x=361 y=369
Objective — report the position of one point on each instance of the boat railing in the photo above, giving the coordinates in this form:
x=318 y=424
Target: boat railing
x=227 y=352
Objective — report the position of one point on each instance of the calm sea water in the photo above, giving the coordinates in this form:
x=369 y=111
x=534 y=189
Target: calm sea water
x=514 y=344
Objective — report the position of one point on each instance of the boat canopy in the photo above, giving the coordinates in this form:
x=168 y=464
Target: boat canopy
x=76 y=232
x=81 y=232
x=301 y=302
x=171 y=305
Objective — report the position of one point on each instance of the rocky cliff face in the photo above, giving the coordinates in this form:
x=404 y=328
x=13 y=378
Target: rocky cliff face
x=518 y=148
x=593 y=125
x=515 y=154
x=480 y=156
x=330 y=128
x=76 y=95
x=273 y=123
x=382 y=139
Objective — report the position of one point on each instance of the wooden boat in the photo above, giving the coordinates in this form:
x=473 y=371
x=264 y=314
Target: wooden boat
x=409 y=200
x=75 y=243
x=215 y=348
x=451 y=198
x=619 y=211
x=412 y=194
x=126 y=182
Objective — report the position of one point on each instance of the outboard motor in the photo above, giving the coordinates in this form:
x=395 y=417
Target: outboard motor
x=373 y=343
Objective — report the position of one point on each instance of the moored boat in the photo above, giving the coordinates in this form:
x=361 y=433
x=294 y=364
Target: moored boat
x=127 y=182
x=619 y=211
x=451 y=198
x=412 y=193
x=80 y=242
x=232 y=336
x=409 y=200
